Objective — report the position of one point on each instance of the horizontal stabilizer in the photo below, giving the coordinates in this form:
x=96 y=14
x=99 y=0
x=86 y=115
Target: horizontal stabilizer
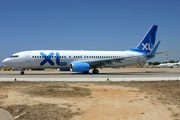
x=164 y=52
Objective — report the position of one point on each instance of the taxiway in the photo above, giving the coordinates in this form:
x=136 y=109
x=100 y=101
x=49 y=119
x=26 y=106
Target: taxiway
x=123 y=74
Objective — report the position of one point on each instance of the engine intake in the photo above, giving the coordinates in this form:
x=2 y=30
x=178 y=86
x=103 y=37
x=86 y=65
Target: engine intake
x=79 y=67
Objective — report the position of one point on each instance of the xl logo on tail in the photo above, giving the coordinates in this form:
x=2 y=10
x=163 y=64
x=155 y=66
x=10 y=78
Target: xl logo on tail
x=146 y=46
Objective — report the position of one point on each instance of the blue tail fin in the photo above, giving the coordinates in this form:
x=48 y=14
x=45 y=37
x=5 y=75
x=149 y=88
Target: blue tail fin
x=147 y=43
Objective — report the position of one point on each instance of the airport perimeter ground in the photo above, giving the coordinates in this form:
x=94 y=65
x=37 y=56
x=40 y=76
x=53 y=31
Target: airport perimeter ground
x=101 y=100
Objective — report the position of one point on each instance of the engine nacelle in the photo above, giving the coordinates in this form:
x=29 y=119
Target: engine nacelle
x=79 y=67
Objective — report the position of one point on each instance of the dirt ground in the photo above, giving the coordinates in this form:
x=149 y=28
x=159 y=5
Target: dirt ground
x=91 y=101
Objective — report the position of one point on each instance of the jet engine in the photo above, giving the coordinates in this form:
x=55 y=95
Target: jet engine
x=79 y=67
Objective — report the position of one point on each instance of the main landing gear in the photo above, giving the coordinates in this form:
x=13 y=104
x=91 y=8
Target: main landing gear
x=87 y=72
x=95 y=71
x=22 y=72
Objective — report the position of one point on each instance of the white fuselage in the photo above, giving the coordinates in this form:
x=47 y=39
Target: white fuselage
x=63 y=59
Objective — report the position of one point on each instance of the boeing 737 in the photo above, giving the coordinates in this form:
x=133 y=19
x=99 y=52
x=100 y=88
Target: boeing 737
x=83 y=61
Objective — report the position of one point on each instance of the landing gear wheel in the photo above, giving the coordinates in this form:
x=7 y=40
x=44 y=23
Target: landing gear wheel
x=87 y=72
x=22 y=73
x=95 y=71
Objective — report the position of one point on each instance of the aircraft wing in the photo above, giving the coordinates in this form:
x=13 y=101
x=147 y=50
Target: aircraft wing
x=170 y=65
x=110 y=60
x=119 y=60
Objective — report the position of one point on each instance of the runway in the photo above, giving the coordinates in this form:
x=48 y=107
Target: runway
x=123 y=74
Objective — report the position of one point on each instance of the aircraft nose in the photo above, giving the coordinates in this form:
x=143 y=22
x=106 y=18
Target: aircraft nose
x=6 y=61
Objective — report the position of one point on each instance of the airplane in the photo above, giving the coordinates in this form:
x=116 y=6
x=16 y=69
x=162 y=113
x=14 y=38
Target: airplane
x=171 y=65
x=83 y=61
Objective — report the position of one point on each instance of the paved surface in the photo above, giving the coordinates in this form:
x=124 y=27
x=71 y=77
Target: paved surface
x=123 y=74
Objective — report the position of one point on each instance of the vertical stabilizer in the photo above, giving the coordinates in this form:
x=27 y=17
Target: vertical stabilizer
x=147 y=43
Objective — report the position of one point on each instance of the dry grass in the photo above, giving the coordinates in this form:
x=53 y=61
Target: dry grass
x=41 y=112
x=167 y=92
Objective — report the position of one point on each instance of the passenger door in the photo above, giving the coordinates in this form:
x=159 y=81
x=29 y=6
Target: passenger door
x=27 y=57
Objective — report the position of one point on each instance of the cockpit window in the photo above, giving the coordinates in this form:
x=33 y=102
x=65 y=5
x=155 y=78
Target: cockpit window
x=14 y=56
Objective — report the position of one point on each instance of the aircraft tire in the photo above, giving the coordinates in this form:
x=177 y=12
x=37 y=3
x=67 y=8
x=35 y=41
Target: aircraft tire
x=22 y=72
x=86 y=72
x=95 y=71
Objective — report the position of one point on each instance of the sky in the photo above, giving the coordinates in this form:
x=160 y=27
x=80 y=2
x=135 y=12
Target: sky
x=87 y=24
